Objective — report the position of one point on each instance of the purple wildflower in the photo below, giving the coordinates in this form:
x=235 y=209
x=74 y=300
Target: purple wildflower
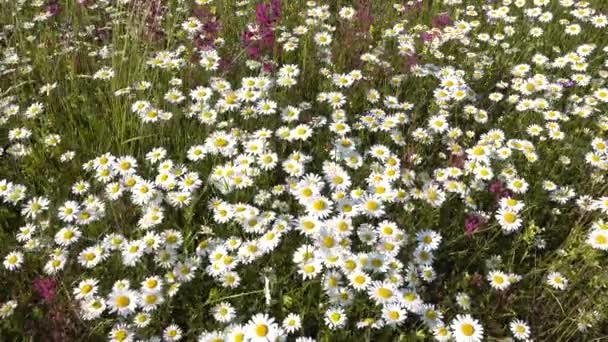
x=496 y=187
x=260 y=38
x=411 y=60
x=569 y=84
x=411 y=8
x=45 y=288
x=275 y=6
x=472 y=223
x=268 y=66
x=499 y=190
x=441 y=20
x=52 y=8
x=426 y=36
x=505 y=194
x=210 y=29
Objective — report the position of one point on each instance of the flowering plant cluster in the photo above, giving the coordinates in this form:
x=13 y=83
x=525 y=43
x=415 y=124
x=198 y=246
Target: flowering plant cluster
x=206 y=170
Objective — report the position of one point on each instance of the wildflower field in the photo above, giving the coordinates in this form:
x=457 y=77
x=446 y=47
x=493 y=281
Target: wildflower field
x=288 y=170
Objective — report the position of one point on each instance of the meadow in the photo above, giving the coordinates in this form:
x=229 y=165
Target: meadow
x=274 y=170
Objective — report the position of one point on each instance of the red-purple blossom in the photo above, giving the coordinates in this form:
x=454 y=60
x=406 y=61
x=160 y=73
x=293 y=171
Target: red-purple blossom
x=268 y=66
x=52 y=8
x=153 y=11
x=364 y=15
x=275 y=7
x=411 y=60
x=441 y=20
x=267 y=14
x=496 y=187
x=45 y=288
x=430 y=35
x=58 y=320
x=456 y=160
x=499 y=190
x=472 y=223
x=413 y=7
x=209 y=30
x=505 y=193
x=251 y=46
x=259 y=39
x=426 y=36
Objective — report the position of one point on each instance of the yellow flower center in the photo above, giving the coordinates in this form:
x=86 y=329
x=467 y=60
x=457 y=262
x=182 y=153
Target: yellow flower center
x=467 y=329
x=309 y=268
x=350 y=265
x=86 y=288
x=120 y=335
x=393 y=315
x=122 y=301
x=227 y=260
x=509 y=217
x=371 y=205
x=384 y=293
x=387 y=230
x=150 y=299
x=319 y=205
x=220 y=142
x=329 y=242
x=359 y=279
x=261 y=330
